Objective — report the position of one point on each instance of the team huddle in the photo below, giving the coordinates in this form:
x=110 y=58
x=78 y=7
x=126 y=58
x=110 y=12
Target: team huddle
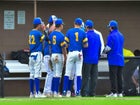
x=78 y=51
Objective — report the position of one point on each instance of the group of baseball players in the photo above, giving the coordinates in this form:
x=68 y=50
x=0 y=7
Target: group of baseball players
x=78 y=52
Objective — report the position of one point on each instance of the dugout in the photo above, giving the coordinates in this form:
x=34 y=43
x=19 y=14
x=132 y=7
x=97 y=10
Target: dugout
x=101 y=12
x=14 y=33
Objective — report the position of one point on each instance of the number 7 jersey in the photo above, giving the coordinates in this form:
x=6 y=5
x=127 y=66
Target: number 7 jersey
x=75 y=37
x=35 y=41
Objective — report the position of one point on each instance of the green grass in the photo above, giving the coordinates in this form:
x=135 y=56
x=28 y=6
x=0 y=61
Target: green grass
x=70 y=101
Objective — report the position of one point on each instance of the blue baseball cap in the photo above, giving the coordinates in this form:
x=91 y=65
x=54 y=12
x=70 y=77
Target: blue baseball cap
x=113 y=23
x=89 y=23
x=52 y=18
x=78 y=21
x=37 y=21
x=59 y=22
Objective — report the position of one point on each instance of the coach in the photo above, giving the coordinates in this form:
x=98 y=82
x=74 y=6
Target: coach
x=91 y=56
x=114 y=50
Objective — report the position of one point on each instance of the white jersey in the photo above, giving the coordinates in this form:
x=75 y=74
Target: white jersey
x=101 y=38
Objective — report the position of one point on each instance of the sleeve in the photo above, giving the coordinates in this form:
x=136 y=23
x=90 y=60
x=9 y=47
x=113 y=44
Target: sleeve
x=109 y=41
x=102 y=42
x=42 y=37
x=85 y=39
x=63 y=43
x=108 y=45
x=67 y=37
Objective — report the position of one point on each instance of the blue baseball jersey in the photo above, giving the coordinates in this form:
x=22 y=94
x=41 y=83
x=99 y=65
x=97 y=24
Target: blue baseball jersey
x=115 y=41
x=75 y=37
x=35 y=41
x=57 y=42
x=46 y=48
x=91 y=54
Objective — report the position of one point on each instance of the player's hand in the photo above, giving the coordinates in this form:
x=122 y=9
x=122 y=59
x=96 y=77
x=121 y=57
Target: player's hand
x=56 y=59
x=80 y=56
x=50 y=65
x=43 y=27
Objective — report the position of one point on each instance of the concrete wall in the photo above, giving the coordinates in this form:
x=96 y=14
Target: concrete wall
x=126 y=13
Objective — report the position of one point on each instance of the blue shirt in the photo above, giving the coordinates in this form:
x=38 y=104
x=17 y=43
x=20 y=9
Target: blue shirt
x=75 y=37
x=35 y=41
x=91 y=54
x=115 y=41
x=57 y=42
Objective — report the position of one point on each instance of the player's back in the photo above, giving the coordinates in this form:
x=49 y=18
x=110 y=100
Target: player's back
x=57 y=41
x=35 y=41
x=75 y=38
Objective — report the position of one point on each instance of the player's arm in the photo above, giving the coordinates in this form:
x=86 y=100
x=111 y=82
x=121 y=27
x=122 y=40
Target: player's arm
x=108 y=45
x=85 y=41
x=64 y=50
x=67 y=39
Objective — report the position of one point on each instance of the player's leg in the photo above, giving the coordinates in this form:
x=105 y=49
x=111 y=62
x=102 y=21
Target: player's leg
x=93 y=79
x=59 y=67
x=119 y=81
x=113 y=80
x=71 y=81
x=54 y=72
x=32 y=72
x=85 y=79
x=37 y=66
x=49 y=76
x=69 y=65
x=79 y=63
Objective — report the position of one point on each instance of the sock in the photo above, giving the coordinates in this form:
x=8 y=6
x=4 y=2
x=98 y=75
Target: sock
x=65 y=84
x=37 y=85
x=31 y=82
x=79 y=81
x=70 y=84
x=57 y=82
x=53 y=82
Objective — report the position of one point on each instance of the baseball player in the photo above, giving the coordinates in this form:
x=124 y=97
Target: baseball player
x=35 y=44
x=58 y=50
x=76 y=39
x=47 y=53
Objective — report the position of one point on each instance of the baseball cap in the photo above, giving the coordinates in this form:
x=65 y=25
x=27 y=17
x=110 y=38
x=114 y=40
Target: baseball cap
x=37 y=21
x=52 y=18
x=113 y=23
x=89 y=23
x=78 y=21
x=59 y=22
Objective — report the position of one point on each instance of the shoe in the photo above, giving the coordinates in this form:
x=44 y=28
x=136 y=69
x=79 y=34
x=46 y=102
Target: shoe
x=112 y=95
x=68 y=94
x=48 y=95
x=39 y=95
x=55 y=94
x=120 y=95
x=32 y=95
x=64 y=93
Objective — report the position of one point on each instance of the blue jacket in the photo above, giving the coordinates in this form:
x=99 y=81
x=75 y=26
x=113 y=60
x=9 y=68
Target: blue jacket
x=115 y=41
x=91 y=54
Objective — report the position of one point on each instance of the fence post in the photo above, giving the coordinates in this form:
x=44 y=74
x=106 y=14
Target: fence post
x=2 y=79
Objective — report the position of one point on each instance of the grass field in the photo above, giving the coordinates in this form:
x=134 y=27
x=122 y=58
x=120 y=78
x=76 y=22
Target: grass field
x=70 y=101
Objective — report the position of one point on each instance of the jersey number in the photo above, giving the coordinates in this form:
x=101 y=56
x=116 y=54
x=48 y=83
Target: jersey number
x=32 y=39
x=54 y=40
x=76 y=37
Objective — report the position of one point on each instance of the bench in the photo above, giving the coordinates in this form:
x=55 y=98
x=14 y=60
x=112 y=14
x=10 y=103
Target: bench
x=16 y=67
